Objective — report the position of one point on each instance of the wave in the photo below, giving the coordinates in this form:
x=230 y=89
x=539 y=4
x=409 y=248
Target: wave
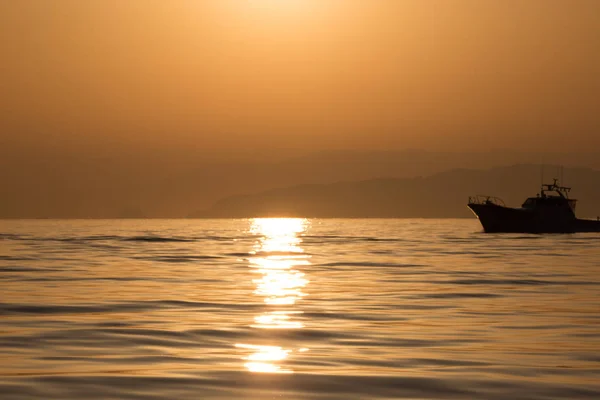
x=176 y=259
x=340 y=238
x=156 y=239
x=368 y=264
x=150 y=311
x=458 y=296
x=13 y=308
x=95 y=238
x=143 y=382
x=519 y=282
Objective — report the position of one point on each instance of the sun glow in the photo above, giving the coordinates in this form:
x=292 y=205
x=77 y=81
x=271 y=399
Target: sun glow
x=277 y=320
x=280 y=15
x=279 y=234
x=263 y=358
x=280 y=284
x=280 y=5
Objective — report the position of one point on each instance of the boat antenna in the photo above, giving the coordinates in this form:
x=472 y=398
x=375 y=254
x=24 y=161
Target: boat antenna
x=542 y=174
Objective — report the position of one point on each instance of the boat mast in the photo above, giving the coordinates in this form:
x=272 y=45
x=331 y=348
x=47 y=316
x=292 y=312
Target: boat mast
x=542 y=176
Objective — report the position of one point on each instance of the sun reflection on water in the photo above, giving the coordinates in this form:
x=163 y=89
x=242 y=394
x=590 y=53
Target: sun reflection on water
x=277 y=254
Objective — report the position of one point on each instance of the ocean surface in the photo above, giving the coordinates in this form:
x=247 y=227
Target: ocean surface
x=296 y=309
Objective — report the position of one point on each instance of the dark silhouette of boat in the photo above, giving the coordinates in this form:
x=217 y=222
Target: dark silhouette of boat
x=552 y=211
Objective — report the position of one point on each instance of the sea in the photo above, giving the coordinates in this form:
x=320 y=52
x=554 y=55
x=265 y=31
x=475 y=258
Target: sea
x=296 y=309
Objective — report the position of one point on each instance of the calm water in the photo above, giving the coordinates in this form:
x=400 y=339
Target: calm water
x=296 y=309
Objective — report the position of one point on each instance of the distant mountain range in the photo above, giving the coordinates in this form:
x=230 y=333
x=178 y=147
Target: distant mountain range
x=56 y=184
x=441 y=195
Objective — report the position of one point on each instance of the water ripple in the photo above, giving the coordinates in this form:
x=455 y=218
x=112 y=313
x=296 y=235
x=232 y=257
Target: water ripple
x=304 y=309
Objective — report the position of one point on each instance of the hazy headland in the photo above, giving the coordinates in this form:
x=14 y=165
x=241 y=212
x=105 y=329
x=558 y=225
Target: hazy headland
x=352 y=183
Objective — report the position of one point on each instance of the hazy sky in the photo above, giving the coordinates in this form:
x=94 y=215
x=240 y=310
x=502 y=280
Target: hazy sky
x=305 y=74
x=110 y=107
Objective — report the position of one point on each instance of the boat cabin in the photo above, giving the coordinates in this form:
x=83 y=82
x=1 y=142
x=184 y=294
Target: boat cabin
x=551 y=195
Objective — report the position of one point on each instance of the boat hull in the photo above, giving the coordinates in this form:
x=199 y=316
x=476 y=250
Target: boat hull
x=497 y=218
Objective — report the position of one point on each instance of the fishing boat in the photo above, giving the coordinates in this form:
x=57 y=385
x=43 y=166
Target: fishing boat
x=551 y=211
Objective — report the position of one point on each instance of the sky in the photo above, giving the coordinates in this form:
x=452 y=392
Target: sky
x=153 y=84
x=306 y=74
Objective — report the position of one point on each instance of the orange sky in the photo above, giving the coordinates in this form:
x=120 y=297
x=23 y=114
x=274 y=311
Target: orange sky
x=305 y=74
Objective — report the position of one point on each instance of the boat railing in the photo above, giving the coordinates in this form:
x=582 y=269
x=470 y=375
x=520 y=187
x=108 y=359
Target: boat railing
x=483 y=199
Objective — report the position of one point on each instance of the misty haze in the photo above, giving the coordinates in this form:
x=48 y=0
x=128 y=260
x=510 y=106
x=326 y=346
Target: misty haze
x=304 y=199
x=160 y=110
